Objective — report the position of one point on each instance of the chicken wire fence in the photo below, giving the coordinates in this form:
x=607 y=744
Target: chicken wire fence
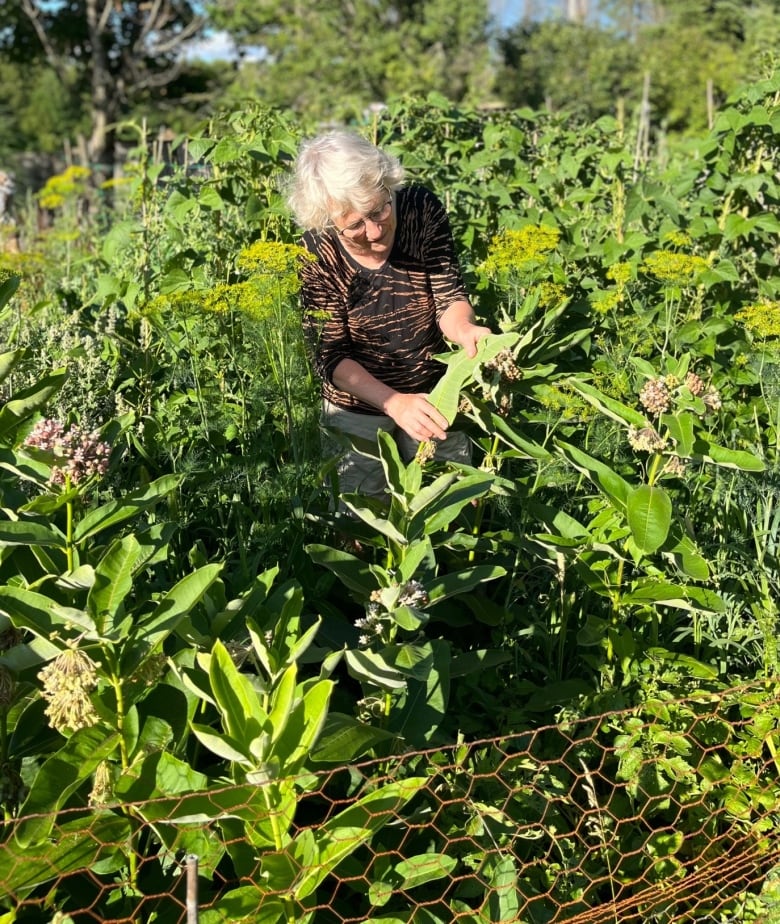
x=664 y=812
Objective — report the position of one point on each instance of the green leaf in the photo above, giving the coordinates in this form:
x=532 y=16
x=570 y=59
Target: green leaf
x=26 y=402
x=461 y=582
x=30 y=532
x=680 y=427
x=40 y=614
x=58 y=778
x=344 y=833
x=357 y=575
x=728 y=458
x=426 y=867
x=177 y=604
x=9 y=359
x=113 y=582
x=649 y=512
x=242 y=714
x=617 y=489
x=79 y=845
x=126 y=507
x=8 y=289
x=371 y=668
x=445 y=395
x=343 y=739
x=616 y=410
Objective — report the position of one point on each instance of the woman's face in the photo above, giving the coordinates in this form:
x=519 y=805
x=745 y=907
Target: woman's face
x=371 y=232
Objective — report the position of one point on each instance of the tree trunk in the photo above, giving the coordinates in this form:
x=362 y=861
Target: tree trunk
x=100 y=144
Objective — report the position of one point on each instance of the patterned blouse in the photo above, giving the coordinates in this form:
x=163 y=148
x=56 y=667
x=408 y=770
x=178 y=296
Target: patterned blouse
x=386 y=319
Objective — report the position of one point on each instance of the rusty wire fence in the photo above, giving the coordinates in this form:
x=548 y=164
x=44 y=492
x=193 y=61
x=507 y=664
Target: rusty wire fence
x=664 y=812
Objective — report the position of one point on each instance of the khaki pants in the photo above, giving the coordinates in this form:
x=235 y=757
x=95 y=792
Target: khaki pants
x=364 y=474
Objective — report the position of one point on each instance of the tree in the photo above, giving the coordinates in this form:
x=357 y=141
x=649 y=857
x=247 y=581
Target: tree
x=108 y=51
x=569 y=66
x=330 y=58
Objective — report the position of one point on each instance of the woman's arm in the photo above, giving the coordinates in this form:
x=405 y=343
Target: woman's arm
x=412 y=413
x=458 y=324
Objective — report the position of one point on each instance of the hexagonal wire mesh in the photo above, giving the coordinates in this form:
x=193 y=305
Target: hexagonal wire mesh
x=664 y=812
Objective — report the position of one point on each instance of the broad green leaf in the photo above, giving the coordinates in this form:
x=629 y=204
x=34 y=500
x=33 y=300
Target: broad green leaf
x=357 y=575
x=40 y=614
x=157 y=774
x=58 y=777
x=125 y=508
x=616 y=410
x=113 y=581
x=649 y=512
x=460 y=582
x=445 y=395
x=617 y=489
x=242 y=713
x=343 y=739
x=177 y=604
x=27 y=401
x=423 y=868
x=8 y=289
x=728 y=458
x=357 y=504
x=369 y=667
x=79 y=845
x=680 y=427
x=427 y=693
x=246 y=905
x=220 y=744
x=9 y=359
x=395 y=471
x=29 y=532
x=343 y=834
x=459 y=495
x=282 y=701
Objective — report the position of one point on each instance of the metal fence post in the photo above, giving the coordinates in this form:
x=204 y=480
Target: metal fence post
x=192 y=888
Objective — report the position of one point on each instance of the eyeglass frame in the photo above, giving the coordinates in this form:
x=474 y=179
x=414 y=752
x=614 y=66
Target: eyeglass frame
x=358 y=227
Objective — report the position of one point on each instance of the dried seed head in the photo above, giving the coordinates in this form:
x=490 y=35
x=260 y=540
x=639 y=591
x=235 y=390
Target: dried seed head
x=102 y=785
x=712 y=399
x=674 y=466
x=425 y=451
x=7 y=687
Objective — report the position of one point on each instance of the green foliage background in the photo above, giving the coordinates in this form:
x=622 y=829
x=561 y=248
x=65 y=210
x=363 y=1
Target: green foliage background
x=188 y=635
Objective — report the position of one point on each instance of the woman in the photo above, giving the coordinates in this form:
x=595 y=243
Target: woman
x=381 y=298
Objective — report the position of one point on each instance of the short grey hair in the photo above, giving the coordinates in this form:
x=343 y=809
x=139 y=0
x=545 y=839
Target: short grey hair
x=336 y=173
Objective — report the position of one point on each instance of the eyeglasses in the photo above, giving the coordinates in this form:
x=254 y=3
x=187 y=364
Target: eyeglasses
x=377 y=217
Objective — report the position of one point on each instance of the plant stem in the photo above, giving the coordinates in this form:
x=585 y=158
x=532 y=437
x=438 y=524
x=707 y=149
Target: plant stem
x=69 y=548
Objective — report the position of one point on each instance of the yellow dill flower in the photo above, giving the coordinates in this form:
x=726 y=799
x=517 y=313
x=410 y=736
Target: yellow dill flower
x=604 y=302
x=620 y=274
x=513 y=249
x=677 y=239
x=761 y=319
x=272 y=257
x=63 y=186
x=551 y=294
x=674 y=268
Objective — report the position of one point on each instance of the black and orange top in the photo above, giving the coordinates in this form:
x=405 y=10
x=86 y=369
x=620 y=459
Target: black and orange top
x=386 y=319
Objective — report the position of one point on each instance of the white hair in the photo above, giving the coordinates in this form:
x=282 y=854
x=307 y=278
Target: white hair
x=339 y=172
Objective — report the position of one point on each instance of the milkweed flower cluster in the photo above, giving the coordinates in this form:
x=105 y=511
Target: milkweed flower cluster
x=78 y=453
x=381 y=604
x=67 y=682
x=657 y=394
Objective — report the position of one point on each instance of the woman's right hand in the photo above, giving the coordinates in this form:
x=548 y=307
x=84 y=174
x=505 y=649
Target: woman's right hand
x=416 y=416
